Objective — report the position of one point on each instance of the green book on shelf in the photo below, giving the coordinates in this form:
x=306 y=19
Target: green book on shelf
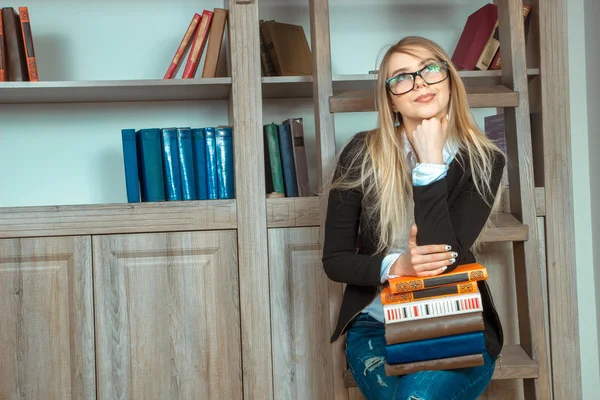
x=271 y=137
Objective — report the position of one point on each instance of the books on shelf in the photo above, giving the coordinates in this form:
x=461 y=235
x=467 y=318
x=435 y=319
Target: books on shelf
x=286 y=169
x=17 y=53
x=204 y=30
x=284 y=49
x=178 y=164
x=434 y=322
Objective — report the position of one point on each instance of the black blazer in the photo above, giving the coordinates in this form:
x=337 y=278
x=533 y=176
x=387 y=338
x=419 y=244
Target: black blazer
x=448 y=211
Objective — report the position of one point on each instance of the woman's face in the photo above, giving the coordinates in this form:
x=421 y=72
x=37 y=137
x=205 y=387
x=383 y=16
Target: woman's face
x=425 y=100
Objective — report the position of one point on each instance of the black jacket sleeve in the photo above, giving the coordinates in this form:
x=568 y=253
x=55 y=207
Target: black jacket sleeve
x=340 y=259
x=457 y=223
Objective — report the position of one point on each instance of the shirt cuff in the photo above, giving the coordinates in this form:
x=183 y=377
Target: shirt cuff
x=424 y=174
x=386 y=264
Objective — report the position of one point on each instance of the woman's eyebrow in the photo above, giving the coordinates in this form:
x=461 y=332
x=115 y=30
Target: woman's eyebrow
x=404 y=69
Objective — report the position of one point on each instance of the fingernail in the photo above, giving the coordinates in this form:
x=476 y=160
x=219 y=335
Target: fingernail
x=452 y=260
x=444 y=268
x=448 y=247
x=454 y=254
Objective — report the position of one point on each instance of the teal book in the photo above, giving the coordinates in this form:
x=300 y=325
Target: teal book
x=211 y=163
x=186 y=163
x=272 y=139
x=286 y=152
x=171 y=164
x=151 y=165
x=224 y=157
x=130 y=160
x=440 y=347
x=199 y=149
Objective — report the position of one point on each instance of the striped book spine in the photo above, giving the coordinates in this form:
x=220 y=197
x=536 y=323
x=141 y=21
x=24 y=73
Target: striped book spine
x=451 y=305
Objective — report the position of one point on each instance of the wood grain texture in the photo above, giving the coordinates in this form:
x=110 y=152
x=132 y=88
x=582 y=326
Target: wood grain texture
x=325 y=143
x=528 y=267
x=251 y=205
x=46 y=323
x=299 y=315
x=560 y=235
x=167 y=316
x=477 y=96
x=111 y=91
x=293 y=212
x=117 y=218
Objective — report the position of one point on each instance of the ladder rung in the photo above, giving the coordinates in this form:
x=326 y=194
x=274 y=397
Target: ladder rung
x=504 y=227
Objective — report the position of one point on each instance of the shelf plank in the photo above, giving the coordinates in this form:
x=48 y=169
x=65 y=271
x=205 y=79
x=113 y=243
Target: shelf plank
x=281 y=87
x=293 y=212
x=477 y=96
x=115 y=91
x=117 y=218
x=514 y=363
x=504 y=227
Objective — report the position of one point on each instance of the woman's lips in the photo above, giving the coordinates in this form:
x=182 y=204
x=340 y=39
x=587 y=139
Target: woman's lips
x=425 y=98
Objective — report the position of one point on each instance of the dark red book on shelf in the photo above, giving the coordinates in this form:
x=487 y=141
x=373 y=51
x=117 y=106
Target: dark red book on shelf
x=32 y=69
x=478 y=29
x=200 y=37
x=183 y=46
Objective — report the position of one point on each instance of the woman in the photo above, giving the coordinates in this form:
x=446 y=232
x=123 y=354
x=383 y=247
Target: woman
x=416 y=193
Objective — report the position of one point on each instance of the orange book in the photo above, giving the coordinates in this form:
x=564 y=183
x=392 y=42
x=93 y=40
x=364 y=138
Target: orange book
x=2 y=53
x=215 y=39
x=387 y=297
x=28 y=43
x=185 y=41
x=462 y=273
x=193 y=60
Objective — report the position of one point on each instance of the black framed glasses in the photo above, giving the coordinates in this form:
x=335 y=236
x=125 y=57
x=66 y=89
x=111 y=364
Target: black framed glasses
x=434 y=72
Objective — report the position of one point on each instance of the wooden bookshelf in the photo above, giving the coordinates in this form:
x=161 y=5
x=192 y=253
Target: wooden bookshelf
x=115 y=91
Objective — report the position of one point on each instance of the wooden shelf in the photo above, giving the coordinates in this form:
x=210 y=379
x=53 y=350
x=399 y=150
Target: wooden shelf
x=293 y=212
x=514 y=363
x=504 y=227
x=117 y=218
x=281 y=87
x=114 y=91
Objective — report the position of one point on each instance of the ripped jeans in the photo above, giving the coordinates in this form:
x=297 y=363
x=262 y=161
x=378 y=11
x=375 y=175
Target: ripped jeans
x=365 y=354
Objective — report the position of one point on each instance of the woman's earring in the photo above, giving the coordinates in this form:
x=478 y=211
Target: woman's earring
x=396 y=122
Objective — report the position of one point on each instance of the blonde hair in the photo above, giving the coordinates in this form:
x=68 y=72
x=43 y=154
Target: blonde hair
x=378 y=165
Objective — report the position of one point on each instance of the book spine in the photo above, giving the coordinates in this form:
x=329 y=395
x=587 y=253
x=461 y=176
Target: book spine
x=433 y=327
x=199 y=145
x=193 y=60
x=211 y=163
x=2 y=53
x=274 y=157
x=300 y=162
x=403 y=285
x=224 y=156
x=16 y=64
x=149 y=148
x=130 y=161
x=423 y=309
x=471 y=360
x=496 y=63
x=387 y=297
x=286 y=149
x=186 y=163
x=185 y=41
x=171 y=164
x=215 y=40
x=32 y=69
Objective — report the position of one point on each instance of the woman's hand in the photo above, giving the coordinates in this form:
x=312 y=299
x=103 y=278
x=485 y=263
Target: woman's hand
x=428 y=140
x=422 y=261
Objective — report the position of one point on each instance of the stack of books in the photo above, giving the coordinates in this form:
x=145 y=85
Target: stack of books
x=434 y=323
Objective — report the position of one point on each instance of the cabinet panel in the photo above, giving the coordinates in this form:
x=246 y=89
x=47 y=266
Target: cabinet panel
x=167 y=316
x=302 y=366
x=46 y=328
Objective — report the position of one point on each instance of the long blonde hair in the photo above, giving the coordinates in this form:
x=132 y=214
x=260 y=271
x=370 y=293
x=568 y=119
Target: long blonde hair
x=379 y=168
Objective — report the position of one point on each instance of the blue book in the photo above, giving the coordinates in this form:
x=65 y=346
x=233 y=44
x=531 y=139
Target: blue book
x=211 y=163
x=186 y=163
x=199 y=149
x=171 y=163
x=130 y=159
x=441 y=347
x=224 y=155
x=286 y=150
x=151 y=165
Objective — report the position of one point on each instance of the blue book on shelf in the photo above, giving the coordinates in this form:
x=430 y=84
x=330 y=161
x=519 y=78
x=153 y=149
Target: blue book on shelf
x=151 y=165
x=286 y=150
x=211 y=163
x=186 y=162
x=171 y=163
x=441 y=347
x=224 y=152
x=130 y=159
x=199 y=149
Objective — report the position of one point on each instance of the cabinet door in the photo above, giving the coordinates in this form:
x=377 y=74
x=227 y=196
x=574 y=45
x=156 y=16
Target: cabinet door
x=299 y=315
x=167 y=316
x=46 y=319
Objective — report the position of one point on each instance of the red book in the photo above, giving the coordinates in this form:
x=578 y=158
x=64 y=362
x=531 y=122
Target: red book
x=28 y=43
x=478 y=29
x=185 y=41
x=191 y=65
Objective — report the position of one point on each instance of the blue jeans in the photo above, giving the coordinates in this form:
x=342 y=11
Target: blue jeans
x=365 y=354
